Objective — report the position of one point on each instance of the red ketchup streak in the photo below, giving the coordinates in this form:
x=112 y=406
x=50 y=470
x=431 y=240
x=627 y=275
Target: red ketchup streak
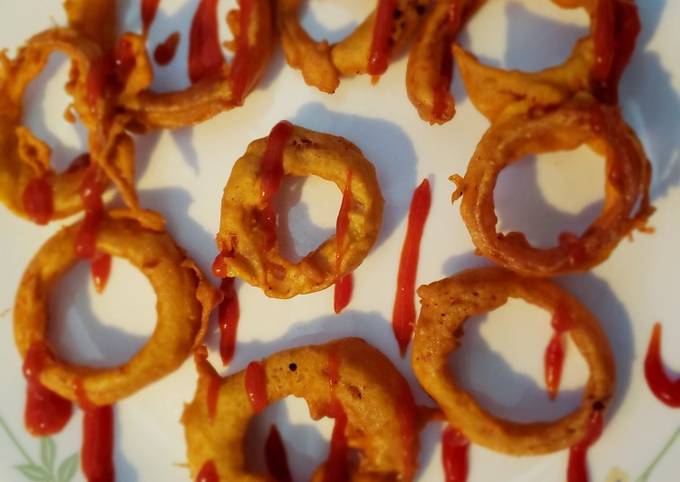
x=166 y=50
x=241 y=70
x=275 y=456
x=205 y=52
x=380 y=47
x=46 y=413
x=37 y=200
x=404 y=311
x=208 y=473
x=554 y=352
x=446 y=68
x=343 y=284
x=665 y=389
x=256 y=386
x=86 y=238
x=455 y=455
x=271 y=175
x=577 y=471
x=228 y=319
x=97 y=450
x=336 y=464
x=617 y=26
x=149 y=10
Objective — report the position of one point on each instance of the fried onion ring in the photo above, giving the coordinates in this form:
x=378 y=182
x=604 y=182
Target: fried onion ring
x=25 y=159
x=213 y=94
x=430 y=63
x=594 y=66
x=185 y=300
x=626 y=204
x=322 y=64
x=243 y=233
x=448 y=303
x=371 y=392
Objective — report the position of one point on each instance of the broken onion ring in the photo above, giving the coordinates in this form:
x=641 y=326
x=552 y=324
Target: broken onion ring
x=322 y=64
x=185 y=300
x=448 y=303
x=366 y=388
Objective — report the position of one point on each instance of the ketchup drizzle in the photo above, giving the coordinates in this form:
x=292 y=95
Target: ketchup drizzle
x=663 y=388
x=382 y=32
x=336 y=465
x=446 y=67
x=275 y=456
x=38 y=201
x=229 y=313
x=149 y=10
x=165 y=51
x=617 y=26
x=205 y=52
x=97 y=450
x=208 y=473
x=271 y=176
x=577 y=470
x=404 y=310
x=455 y=447
x=45 y=413
x=554 y=352
x=241 y=69
x=343 y=284
x=86 y=238
x=255 y=385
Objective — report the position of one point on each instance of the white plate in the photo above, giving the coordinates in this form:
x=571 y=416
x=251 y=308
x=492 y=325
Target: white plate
x=182 y=174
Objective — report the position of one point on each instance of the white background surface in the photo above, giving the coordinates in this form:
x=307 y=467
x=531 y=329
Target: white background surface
x=182 y=174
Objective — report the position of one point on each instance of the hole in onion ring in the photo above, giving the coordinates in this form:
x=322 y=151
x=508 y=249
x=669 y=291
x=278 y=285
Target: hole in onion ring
x=304 y=222
x=517 y=26
x=311 y=438
x=508 y=381
x=334 y=21
x=87 y=328
x=537 y=195
x=45 y=106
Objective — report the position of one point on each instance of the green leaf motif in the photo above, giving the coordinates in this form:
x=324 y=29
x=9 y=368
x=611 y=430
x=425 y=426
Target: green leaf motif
x=34 y=472
x=48 y=451
x=67 y=469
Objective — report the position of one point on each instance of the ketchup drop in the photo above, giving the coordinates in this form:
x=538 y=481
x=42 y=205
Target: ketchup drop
x=208 y=473
x=275 y=456
x=382 y=31
x=45 y=413
x=165 y=51
x=343 y=284
x=404 y=310
x=271 y=175
x=554 y=352
x=38 y=201
x=241 y=68
x=455 y=447
x=256 y=386
x=228 y=319
x=97 y=450
x=663 y=388
x=149 y=10
x=205 y=52
x=577 y=470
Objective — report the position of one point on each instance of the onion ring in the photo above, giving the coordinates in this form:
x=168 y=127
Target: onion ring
x=25 y=159
x=430 y=63
x=615 y=25
x=322 y=64
x=94 y=19
x=447 y=303
x=213 y=94
x=244 y=235
x=370 y=391
x=626 y=205
x=185 y=300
